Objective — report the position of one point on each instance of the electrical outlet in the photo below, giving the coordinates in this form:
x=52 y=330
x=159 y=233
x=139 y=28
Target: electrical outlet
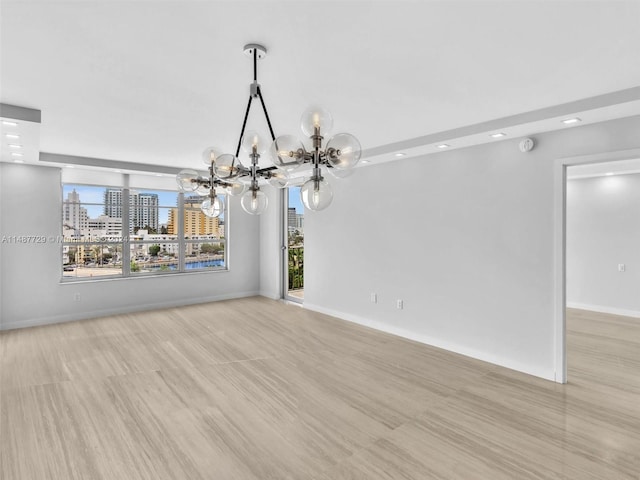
x=374 y=298
x=622 y=267
x=399 y=304
x=76 y=297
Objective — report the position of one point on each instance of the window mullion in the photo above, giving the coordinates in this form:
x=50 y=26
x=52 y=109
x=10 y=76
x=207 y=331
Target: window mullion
x=182 y=247
x=126 y=212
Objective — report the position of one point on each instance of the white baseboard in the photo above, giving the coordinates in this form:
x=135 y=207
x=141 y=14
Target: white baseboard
x=271 y=295
x=119 y=310
x=434 y=342
x=603 y=309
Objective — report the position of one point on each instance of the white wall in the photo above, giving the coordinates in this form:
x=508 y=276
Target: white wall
x=270 y=243
x=603 y=230
x=30 y=277
x=464 y=237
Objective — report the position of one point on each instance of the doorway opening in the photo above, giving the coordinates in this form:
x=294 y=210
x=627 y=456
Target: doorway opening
x=594 y=163
x=293 y=258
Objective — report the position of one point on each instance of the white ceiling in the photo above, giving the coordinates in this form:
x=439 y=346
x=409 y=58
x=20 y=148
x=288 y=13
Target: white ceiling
x=156 y=82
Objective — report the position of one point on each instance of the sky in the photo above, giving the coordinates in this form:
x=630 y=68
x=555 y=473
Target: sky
x=294 y=199
x=89 y=194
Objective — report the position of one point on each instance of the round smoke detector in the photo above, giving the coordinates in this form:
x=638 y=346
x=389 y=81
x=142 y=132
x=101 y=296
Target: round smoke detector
x=526 y=145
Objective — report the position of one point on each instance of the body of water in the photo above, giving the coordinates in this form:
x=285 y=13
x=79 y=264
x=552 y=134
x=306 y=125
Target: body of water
x=191 y=265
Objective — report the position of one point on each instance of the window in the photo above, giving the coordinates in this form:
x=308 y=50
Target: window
x=118 y=232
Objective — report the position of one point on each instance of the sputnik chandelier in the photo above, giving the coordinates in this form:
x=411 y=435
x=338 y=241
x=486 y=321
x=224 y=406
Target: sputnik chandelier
x=288 y=154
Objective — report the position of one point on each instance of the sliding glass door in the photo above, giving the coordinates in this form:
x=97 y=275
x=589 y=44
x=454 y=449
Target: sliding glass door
x=293 y=249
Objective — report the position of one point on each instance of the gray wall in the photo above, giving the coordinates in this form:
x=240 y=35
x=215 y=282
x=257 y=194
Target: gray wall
x=603 y=230
x=30 y=277
x=464 y=237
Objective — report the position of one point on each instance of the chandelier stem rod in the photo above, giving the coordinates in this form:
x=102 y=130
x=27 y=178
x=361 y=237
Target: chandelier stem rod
x=244 y=124
x=273 y=137
x=255 y=64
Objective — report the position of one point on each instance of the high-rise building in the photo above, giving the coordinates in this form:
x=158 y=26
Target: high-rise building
x=292 y=219
x=143 y=208
x=144 y=211
x=74 y=217
x=196 y=223
x=113 y=202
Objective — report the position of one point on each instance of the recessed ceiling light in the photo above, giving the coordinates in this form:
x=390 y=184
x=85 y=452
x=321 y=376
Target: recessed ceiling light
x=69 y=166
x=9 y=124
x=16 y=154
x=118 y=171
x=443 y=145
x=18 y=161
x=608 y=174
x=158 y=174
x=11 y=135
x=13 y=145
x=366 y=161
x=400 y=154
x=498 y=135
x=569 y=121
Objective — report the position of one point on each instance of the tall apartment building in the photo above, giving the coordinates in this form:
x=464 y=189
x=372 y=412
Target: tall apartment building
x=195 y=222
x=295 y=220
x=292 y=220
x=144 y=211
x=113 y=202
x=143 y=208
x=74 y=217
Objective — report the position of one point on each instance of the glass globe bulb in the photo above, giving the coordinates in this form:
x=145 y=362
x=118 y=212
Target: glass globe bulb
x=316 y=117
x=237 y=188
x=339 y=172
x=209 y=155
x=212 y=208
x=287 y=152
x=226 y=166
x=254 y=202
x=186 y=180
x=343 y=151
x=316 y=194
x=278 y=179
x=251 y=139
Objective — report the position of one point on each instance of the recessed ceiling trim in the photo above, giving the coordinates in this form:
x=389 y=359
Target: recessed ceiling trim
x=105 y=163
x=564 y=109
x=20 y=113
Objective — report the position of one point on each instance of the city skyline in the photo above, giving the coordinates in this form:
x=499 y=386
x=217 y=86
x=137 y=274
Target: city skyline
x=92 y=198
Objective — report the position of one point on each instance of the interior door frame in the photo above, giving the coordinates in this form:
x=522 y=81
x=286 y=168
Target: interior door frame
x=560 y=246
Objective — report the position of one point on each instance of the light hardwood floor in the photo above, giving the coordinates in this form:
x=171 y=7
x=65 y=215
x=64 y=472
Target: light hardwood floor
x=254 y=389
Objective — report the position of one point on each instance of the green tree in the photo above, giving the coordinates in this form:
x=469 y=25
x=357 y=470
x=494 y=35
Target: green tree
x=72 y=254
x=153 y=250
x=163 y=230
x=207 y=248
x=134 y=266
x=150 y=229
x=296 y=267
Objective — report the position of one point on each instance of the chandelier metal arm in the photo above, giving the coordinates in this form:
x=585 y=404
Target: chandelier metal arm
x=244 y=125
x=266 y=114
x=255 y=64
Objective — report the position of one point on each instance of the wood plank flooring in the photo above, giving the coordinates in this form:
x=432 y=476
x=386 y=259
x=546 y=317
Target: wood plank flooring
x=254 y=389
